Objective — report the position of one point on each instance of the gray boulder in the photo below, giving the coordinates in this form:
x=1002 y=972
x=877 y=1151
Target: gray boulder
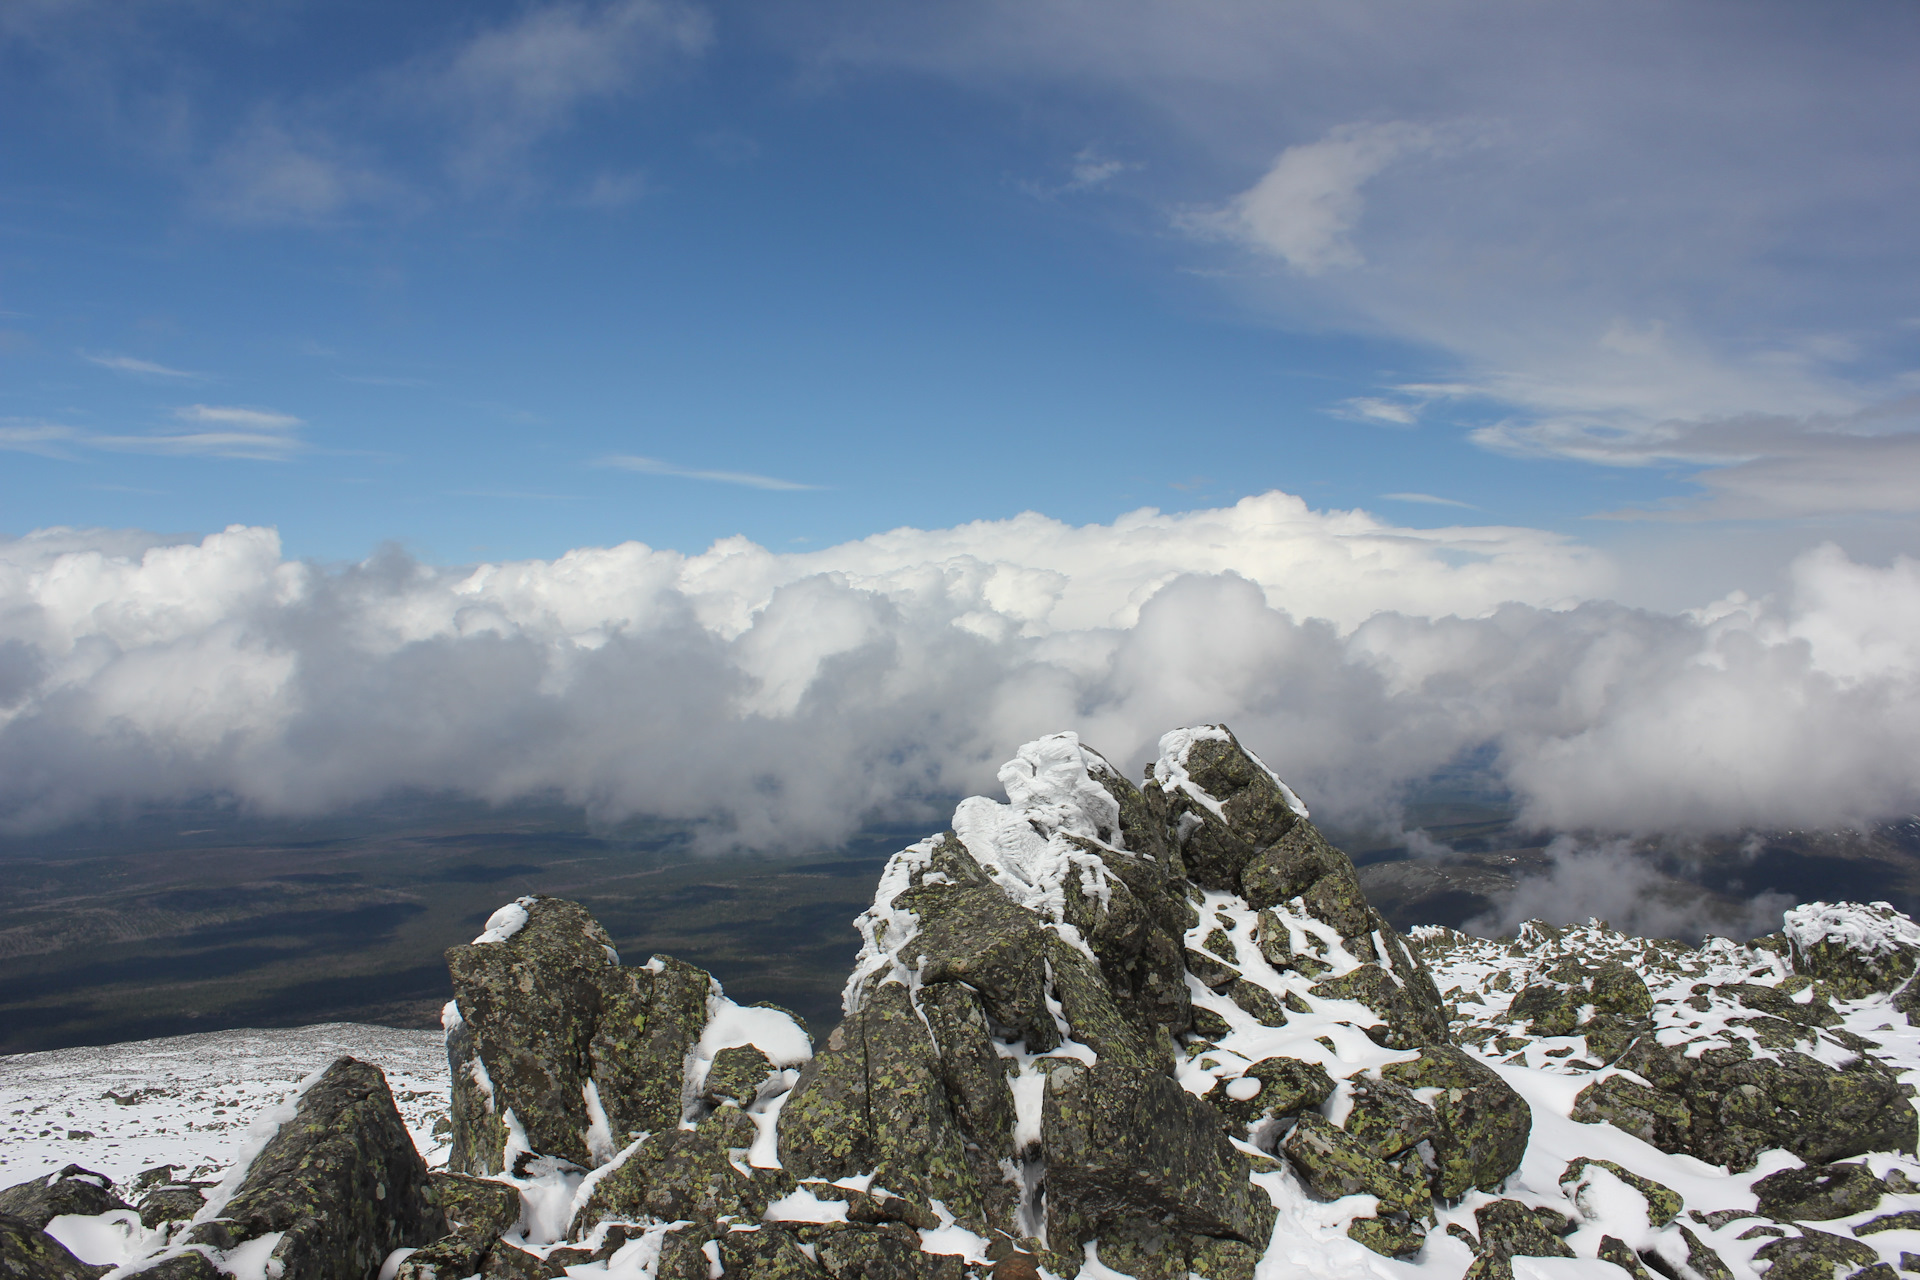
x=1726 y=1106
x=71 y=1190
x=1818 y=1193
x=1123 y=1144
x=1481 y=1126
x=1509 y=1229
x=341 y=1180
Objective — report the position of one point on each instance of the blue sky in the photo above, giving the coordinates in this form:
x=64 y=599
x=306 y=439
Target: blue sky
x=1534 y=385
x=441 y=273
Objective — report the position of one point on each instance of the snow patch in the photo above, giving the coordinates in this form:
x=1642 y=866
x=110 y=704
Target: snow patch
x=506 y=922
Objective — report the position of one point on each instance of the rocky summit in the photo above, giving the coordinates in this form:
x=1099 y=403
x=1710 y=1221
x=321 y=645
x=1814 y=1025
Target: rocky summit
x=1100 y=1029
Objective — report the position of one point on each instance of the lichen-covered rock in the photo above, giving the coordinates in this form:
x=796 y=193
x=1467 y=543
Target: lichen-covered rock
x=1606 y=1002
x=825 y=1127
x=974 y=934
x=1663 y=1202
x=1818 y=1193
x=1387 y=1118
x=683 y=1256
x=1481 y=1125
x=506 y=1262
x=1335 y=1164
x=1509 y=1229
x=1264 y=1007
x=1813 y=1255
x=881 y=1251
x=918 y=1146
x=736 y=1075
x=71 y=1190
x=1856 y=949
x=766 y=1253
x=1797 y=1102
x=1221 y=803
x=1411 y=1012
x=1650 y=1115
x=874 y=1102
x=170 y=1203
x=548 y=1024
x=475 y=1206
x=1122 y=1144
x=29 y=1253
x=1615 y=1250
x=451 y=1257
x=1288 y=1086
x=340 y=1180
x=1148 y=1250
x=175 y=1264
x=681 y=1174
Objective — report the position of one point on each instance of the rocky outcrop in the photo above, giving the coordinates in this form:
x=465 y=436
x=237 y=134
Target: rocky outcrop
x=558 y=1048
x=340 y=1183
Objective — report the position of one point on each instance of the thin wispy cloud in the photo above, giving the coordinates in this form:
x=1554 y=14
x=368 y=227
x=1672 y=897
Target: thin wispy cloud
x=237 y=416
x=655 y=467
x=1429 y=499
x=131 y=364
x=259 y=435
x=256 y=446
x=1391 y=413
x=376 y=380
x=43 y=438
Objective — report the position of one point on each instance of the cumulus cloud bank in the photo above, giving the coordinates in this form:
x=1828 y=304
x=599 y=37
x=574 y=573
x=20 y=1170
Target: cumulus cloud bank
x=786 y=699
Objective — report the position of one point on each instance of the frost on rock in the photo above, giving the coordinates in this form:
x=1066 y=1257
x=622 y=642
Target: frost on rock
x=1856 y=949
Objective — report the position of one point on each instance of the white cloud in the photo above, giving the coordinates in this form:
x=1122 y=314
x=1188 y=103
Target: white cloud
x=1305 y=206
x=789 y=697
x=655 y=467
x=129 y=364
x=234 y=416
